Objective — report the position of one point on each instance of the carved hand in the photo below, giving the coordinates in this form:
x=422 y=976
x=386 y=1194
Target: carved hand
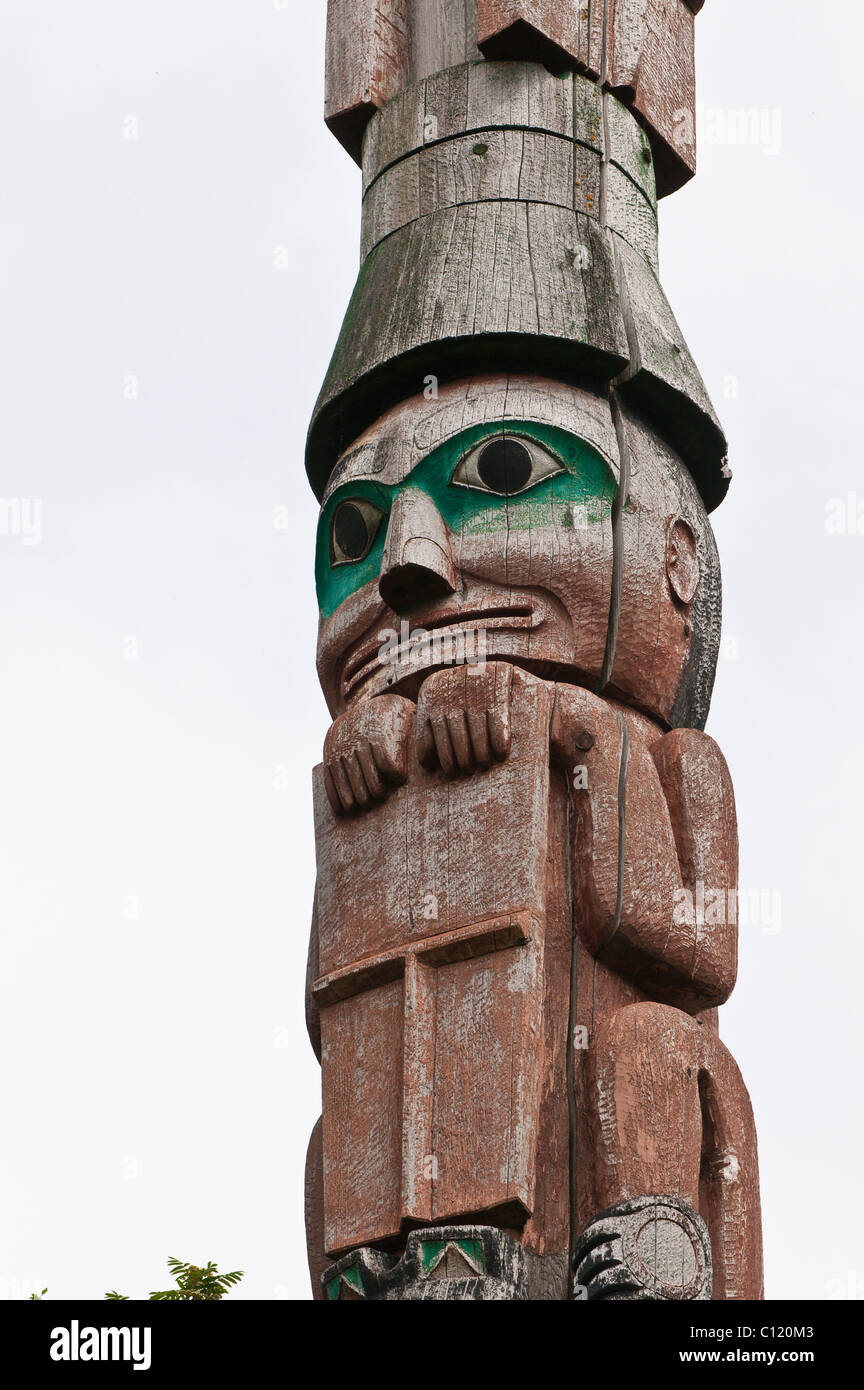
x=366 y=752
x=463 y=717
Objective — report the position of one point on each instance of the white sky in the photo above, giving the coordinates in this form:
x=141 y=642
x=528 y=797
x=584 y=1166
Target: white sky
x=156 y=1086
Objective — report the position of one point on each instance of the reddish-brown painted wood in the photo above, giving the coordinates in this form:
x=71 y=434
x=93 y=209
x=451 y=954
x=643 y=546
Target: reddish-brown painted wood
x=651 y=65
x=543 y=29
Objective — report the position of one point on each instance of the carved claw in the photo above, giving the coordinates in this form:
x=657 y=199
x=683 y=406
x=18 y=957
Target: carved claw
x=463 y=718
x=366 y=753
x=647 y=1248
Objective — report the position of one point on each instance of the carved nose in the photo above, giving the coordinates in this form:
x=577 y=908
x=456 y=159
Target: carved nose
x=417 y=564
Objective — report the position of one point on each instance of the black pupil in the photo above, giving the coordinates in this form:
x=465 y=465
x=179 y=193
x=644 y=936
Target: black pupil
x=505 y=465
x=350 y=531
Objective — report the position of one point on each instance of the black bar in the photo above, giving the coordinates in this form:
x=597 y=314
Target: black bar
x=287 y=1339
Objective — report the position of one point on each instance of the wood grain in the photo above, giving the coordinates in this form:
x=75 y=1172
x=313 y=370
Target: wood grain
x=378 y=48
x=648 y=47
x=666 y=651
x=651 y=67
x=461 y=290
x=366 y=63
x=544 y=30
x=443 y=33
x=468 y=944
x=505 y=206
x=468 y=98
x=444 y=1084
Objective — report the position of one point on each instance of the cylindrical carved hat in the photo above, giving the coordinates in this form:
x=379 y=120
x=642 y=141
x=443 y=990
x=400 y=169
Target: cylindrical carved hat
x=510 y=214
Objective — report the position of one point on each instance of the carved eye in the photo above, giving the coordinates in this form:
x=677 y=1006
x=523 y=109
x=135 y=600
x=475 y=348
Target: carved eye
x=506 y=466
x=353 y=529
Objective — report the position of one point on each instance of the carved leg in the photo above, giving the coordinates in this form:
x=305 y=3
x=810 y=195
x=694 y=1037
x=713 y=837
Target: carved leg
x=675 y=1160
x=314 y=1205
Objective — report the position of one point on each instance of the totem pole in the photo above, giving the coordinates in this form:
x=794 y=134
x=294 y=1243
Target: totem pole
x=526 y=844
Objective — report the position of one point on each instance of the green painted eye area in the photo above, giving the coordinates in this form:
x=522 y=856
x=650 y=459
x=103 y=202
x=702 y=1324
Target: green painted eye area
x=490 y=480
x=353 y=529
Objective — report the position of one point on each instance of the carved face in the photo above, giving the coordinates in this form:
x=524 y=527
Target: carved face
x=478 y=525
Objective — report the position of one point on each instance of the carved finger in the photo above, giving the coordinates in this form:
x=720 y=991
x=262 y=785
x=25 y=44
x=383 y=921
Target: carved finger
x=341 y=785
x=426 y=743
x=498 y=718
x=610 y=1283
x=390 y=757
x=601 y=1229
x=332 y=794
x=354 y=773
x=479 y=734
x=388 y=725
x=443 y=747
x=457 y=728
x=365 y=753
x=601 y=1257
x=498 y=724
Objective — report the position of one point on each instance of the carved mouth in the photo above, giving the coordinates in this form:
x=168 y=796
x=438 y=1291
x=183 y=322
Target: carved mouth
x=368 y=659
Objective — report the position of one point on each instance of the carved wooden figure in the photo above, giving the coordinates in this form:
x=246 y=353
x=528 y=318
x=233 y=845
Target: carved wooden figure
x=527 y=846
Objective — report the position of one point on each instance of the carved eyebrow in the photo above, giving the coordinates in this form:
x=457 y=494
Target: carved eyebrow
x=369 y=457
x=368 y=461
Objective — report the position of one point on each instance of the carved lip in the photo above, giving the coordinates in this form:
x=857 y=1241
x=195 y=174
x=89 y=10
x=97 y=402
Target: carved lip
x=366 y=661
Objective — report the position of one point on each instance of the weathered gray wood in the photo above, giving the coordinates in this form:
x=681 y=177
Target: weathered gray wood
x=629 y=213
x=628 y=146
x=588 y=114
x=588 y=134
x=402 y=168
x=587 y=180
x=443 y=33
x=397 y=130
x=509 y=269
x=481 y=227
x=663 y=378
x=645 y=49
x=498 y=164
x=522 y=94
x=460 y=288
x=472 y=97
x=549 y=1277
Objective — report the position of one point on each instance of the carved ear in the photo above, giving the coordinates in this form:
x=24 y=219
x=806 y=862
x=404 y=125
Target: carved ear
x=682 y=560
